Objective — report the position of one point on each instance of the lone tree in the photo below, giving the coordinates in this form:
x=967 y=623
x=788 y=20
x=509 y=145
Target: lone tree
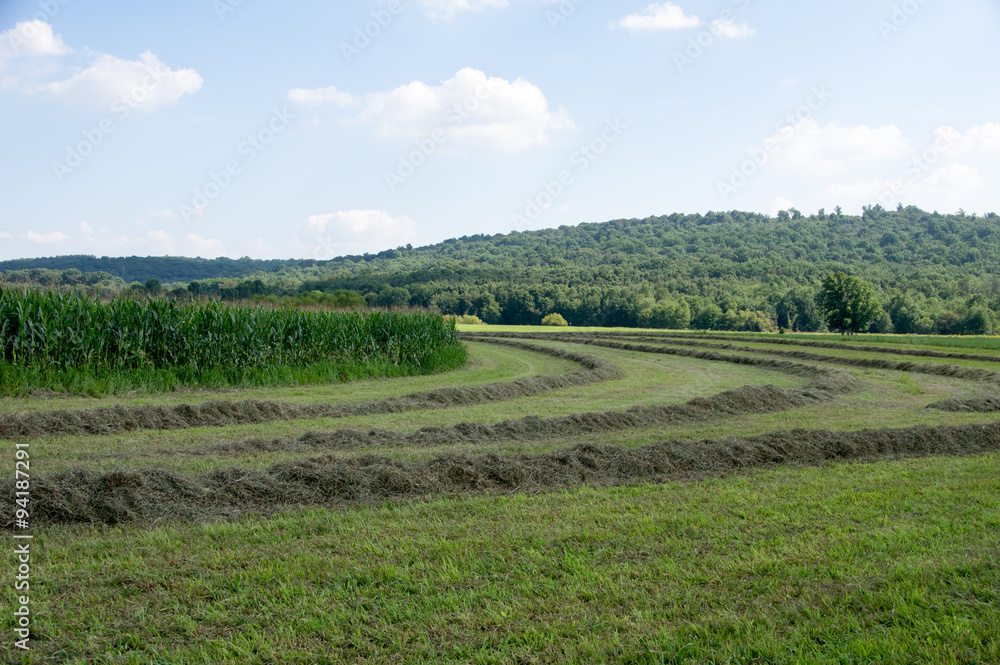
x=848 y=302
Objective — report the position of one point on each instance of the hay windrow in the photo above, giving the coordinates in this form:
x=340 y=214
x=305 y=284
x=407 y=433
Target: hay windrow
x=149 y=495
x=121 y=418
x=973 y=405
x=826 y=345
x=934 y=369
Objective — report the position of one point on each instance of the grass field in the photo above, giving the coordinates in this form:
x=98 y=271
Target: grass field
x=610 y=496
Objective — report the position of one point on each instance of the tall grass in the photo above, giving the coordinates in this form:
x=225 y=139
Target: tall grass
x=77 y=343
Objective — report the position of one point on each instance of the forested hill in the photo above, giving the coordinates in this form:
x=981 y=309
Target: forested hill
x=735 y=270
x=163 y=268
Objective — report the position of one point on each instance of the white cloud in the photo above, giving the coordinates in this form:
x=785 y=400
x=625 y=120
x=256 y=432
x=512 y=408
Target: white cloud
x=5 y=236
x=832 y=149
x=983 y=138
x=447 y=9
x=501 y=114
x=31 y=39
x=318 y=96
x=731 y=29
x=86 y=228
x=54 y=236
x=146 y=83
x=209 y=248
x=667 y=16
x=357 y=232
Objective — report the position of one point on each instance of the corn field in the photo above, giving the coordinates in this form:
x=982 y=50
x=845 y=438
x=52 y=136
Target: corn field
x=47 y=330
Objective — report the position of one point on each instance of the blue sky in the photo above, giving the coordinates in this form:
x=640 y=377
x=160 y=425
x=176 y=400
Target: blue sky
x=314 y=129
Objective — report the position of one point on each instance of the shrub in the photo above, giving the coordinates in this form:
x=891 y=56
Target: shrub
x=555 y=319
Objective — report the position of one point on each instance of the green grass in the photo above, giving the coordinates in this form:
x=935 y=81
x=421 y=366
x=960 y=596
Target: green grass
x=894 y=562
x=650 y=379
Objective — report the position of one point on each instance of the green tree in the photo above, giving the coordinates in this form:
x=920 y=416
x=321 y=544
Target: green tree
x=848 y=302
x=554 y=319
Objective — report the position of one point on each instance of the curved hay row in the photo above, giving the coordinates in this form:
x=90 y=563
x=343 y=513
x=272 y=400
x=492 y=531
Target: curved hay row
x=935 y=369
x=822 y=345
x=844 y=380
x=973 y=405
x=746 y=400
x=149 y=495
x=117 y=419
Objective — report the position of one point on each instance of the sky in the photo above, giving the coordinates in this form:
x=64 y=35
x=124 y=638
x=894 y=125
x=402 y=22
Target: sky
x=312 y=129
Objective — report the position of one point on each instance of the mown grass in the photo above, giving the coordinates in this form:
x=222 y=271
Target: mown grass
x=962 y=343
x=890 y=562
x=650 y=379
x=894 y=562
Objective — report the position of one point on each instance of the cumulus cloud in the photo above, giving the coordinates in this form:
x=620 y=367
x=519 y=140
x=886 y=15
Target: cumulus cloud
x=357 y=232
x=146 y=83
x=319 y=96
x=832 y=149
x=948 y=171
x=51 y=237
x=31 y=39
x=666 y=16
x=731 y=29
x=470 y=107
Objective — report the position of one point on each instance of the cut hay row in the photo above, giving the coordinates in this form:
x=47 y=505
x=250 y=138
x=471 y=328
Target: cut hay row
x=122 y=418
x=935 y=369
x=792 y=341
x=972 y=405
x=796 y=369
x=741 y=401
x=83 y=496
